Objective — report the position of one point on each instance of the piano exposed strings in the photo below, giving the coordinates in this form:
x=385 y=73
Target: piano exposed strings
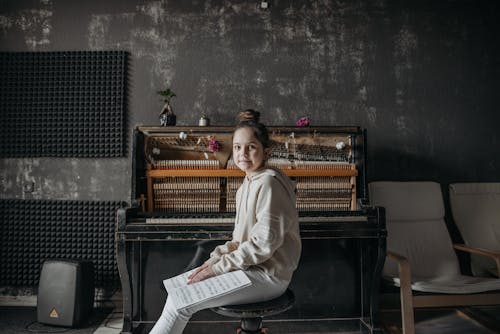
x=324 y=176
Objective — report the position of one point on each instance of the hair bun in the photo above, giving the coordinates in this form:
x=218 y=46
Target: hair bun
x=249 y=115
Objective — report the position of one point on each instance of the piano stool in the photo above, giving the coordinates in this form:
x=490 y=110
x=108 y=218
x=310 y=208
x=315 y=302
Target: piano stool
x=251 y=314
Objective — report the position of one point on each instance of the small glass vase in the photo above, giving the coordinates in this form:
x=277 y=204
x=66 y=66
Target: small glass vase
x=167 y=116
x=167 y=119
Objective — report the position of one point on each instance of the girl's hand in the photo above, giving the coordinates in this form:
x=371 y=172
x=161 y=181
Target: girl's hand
x=196 y=271
x=201 y=273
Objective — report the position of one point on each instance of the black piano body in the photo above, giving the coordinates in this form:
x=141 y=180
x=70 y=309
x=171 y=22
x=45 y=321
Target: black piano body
x=343 y=242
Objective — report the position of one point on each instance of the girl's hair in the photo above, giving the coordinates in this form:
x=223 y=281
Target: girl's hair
x=250 y=119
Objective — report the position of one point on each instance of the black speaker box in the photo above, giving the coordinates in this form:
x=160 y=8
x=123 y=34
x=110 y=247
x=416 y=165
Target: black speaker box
x=65 y=292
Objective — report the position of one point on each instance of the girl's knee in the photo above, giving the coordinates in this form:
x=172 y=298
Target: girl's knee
x=185 y=313
x=171 y=312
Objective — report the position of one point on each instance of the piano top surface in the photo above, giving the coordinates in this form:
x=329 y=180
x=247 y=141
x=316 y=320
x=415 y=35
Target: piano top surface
x=202 y=129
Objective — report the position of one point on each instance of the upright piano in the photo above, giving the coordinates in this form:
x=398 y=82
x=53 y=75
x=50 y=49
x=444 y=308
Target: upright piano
x=184 y=183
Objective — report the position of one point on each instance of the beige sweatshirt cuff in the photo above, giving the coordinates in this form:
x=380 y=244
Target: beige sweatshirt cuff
x=211 y=261
x=218 y=268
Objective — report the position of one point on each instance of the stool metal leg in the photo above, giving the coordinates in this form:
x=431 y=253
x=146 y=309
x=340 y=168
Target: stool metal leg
x=251 y=325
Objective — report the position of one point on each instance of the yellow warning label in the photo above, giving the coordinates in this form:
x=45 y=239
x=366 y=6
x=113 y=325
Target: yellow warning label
x=54 y=314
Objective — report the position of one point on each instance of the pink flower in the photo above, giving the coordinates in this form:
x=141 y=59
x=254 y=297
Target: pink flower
x=304 y=121
x=213 y=145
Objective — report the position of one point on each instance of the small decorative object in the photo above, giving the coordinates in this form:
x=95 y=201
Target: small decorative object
x=204 y=120
x=304 y=121
x=340 y=145
x=183 y=135
x=213 y=145
x=167 y=116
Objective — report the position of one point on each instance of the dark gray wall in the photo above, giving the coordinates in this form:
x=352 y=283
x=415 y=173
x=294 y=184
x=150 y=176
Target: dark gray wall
x=421 y=76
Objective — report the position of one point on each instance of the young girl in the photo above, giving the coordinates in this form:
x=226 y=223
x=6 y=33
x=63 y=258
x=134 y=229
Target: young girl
x=266 y=240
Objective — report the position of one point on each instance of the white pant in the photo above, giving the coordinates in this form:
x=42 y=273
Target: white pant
x=263 y=287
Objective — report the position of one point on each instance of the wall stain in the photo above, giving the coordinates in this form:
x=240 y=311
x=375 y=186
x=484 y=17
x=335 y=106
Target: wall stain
x=98 y=30
x=6 y=23
x=372 y=117
x=36 y=25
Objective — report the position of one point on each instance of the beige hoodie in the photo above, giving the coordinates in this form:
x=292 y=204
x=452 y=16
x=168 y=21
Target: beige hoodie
x=266 y=232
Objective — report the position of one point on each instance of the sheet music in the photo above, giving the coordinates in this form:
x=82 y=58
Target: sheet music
x=176 y=281
x=187 y=295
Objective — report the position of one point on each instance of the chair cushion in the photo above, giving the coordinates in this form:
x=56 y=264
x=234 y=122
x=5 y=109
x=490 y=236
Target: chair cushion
x=408 y=201
x=426 y=245
x=416 y=228
x=454 y=285
x=476 y=212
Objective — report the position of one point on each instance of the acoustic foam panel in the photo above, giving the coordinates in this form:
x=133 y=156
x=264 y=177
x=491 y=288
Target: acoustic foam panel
x=63 y=104
x=32 y=231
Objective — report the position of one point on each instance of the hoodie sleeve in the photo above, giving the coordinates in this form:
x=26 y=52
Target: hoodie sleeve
x=220 y=250
x=266 y=235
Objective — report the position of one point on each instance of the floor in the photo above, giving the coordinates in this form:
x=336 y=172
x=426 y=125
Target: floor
x=112 y=324
x=345 y=326
x=463 y=320
x=429 y=321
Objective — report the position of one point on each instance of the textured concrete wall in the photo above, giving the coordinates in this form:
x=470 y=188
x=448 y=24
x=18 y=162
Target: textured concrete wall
x=421 y=76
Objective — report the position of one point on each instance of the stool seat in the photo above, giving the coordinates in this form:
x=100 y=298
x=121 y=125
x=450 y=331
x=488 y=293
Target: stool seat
x=251 y=314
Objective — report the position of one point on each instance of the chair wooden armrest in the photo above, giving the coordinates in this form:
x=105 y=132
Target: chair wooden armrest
x=406 y=295
x=480 y=251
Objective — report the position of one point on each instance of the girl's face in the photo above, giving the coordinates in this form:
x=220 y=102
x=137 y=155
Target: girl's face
x=248 y=153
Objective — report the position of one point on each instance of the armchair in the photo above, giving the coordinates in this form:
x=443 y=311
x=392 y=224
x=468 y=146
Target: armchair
x=421 y=255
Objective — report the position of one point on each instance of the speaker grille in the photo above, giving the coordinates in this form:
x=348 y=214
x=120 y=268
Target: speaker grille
x=63 y=104
x=32 y=231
